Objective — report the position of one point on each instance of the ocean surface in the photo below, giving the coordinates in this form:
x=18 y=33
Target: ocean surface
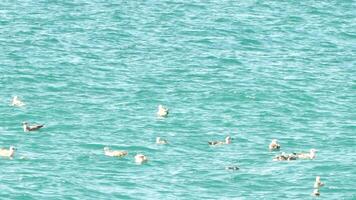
x=95 y=71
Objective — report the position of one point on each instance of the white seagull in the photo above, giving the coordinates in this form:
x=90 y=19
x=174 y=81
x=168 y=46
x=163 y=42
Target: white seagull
x=17 y=102
x=311 y=155
x=274 y=145
x=162 y=111
x=227 y=141
x=159 y=140
x=114 y=153
x=8 y=152
x=140 y=159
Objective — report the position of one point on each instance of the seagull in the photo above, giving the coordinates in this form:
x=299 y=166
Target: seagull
x=227 y=141
x=8 y=152
x=140 y=159
x=318 y=183
x=311 y=155
x=274 y=145
x=161 y=141
x=112 y=153
x=162 y=111
x=232 y=168
x=27 y=127
x=17 y=102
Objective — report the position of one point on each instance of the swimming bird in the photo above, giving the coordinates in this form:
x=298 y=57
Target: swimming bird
x=112 y=153
x=17 y=102
x=140 y=159
x=274 y=145
x=8 y=152
x=232 y=168
x=161 y=141
x=162 y=111
x=316 y=192
x=27 y=127
x=318 y=183
x=310 y=155
x=227 y=141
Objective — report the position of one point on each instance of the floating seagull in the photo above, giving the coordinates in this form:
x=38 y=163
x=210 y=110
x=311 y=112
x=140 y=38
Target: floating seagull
x=318 y=183
x=227 y=141
x=112 y=153
x=17 y=102
x=310 y=155
x=8 y=152
x=140 y=159
x=316 y=192
x=162 y=111
x=161 y=141
x=232 y=168
x=27 y=127
x=274 y=145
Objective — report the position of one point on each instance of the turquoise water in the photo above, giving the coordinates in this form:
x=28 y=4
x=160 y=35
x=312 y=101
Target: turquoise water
x=95 y=71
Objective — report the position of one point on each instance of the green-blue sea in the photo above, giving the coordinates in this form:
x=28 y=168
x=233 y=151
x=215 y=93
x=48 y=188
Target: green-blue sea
x=94 y=72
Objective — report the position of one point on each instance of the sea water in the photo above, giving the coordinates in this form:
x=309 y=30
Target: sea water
x=94 y=72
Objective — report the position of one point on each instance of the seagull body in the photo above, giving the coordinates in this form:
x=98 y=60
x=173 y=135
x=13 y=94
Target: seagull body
x=27 y=127
x=140 y=159
x=162 y=111
x=114 y=153
x=311 y=155
x=17 y=102
x=274 y=145
x=295 y=156
x=161 y=141
x=215 y=143
x=8 y=152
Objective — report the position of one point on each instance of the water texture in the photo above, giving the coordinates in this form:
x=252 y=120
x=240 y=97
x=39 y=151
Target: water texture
x=94 y=73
